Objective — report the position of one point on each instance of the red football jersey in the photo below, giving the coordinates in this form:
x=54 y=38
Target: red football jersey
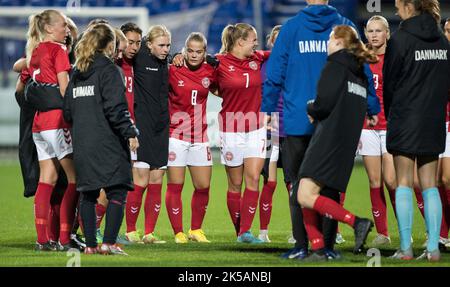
x=377 y=71
x=239 y=83
x=47 y=60
x=127 y=68
x=188 y=94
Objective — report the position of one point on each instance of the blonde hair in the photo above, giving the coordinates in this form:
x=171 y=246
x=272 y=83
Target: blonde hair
x=198 y=37
x=72 y=27
x=273 y=34
x=36 y=29
x=232 y=33
x=431 y=7
x=157 y=31
x=385 y=23
x=120 y=37
x=95 y=40
x=353 y=44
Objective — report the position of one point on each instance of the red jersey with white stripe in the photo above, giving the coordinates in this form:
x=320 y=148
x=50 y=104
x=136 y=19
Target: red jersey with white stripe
x=47 y=60
x=128 y=73
x=240 y=87
x=377 y=71
x=188 y=94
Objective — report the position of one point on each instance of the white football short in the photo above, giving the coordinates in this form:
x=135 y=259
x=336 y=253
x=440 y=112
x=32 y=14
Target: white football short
x=183 y=153
x=273 y=151
x=372 y=143
x=53 y=144
x=235 y=147
x=447 y=145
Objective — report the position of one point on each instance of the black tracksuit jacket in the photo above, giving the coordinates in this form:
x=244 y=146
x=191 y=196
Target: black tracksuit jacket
x=95 y=104
x=338 y=111
x=416 y=77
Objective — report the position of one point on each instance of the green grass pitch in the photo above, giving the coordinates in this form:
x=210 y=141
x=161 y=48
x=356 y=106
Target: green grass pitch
x=17 y=232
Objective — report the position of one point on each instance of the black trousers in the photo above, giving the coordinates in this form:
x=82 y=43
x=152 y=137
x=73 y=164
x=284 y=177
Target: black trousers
x=114 y=213
x=294 y=149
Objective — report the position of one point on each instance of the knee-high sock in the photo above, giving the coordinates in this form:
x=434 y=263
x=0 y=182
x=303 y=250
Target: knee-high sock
x=199 y=203
x=311 y=221
x=419 y=199
x=42 y=210
x=379 y=209
x=249 y=204
x=174 y=206
x=392 y=198
x=133 y=206
x=265 y=204
x=87 y=213
x=330 y=208
x=298 y=227
x=68 y=210
x=433 y=216
x=114 y=218
x=100 y=211
x=53 y=218
x=234 y=208
x=444 y=223
x=152 y=207
x=404 y=210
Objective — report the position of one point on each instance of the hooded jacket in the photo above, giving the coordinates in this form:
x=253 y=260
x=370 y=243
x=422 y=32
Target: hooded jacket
x=338 y=112
x=416 y=78
x=95 y=104
x=296 y=62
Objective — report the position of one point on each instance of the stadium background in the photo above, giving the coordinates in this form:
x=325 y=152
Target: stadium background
x=181 y=16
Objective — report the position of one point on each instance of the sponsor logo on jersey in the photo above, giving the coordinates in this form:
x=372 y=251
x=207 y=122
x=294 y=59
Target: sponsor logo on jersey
x=426 y=55
x=151 y=69
x=180 y=83
x=172 y=156
x=83 y=91
x=357 y=89
x=312 y=46
x=231 y=69
x=253 y=65
x=206 y=83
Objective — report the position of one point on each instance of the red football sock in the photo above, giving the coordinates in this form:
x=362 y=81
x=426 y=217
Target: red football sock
x=68 y=210
x=53 y=218
x=174 y=206
x=199 y=203
x=249 y=204
x=152 y=206
x=444 y=224
x=332 y=209
x=419 y=198
x=234 y=208
x=42 y=210
x=379 y=209
x=392 y=197
x=100 y=211
x=133 y=206
x=311 y=221
x=265 y=204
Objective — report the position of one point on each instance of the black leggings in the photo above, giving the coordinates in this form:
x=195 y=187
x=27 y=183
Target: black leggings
x=114 y=214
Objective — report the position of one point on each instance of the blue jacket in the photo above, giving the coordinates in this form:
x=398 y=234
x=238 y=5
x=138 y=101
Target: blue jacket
x=295 y=65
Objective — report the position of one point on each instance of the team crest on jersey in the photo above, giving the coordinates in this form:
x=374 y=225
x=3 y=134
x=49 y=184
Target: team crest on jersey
x=231 y=69
x=206 y=83
x=172 y=156
x=253 y=65
x=180 y=83
x=229 y=156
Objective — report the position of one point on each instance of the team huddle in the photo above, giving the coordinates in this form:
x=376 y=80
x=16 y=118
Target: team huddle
x=107 y=113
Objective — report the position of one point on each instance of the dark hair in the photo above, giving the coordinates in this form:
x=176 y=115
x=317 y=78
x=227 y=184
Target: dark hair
x=98 y=21
x=131 y=27
x=431 y=7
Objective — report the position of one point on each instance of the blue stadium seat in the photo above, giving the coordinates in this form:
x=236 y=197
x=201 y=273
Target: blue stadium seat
x=12 y=2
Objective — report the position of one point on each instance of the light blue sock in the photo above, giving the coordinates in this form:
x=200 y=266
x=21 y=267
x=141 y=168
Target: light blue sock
x=404 y=210
x=433 y=216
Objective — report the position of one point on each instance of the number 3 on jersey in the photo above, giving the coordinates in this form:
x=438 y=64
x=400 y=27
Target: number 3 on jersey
x=194 y=97
x=129 y=84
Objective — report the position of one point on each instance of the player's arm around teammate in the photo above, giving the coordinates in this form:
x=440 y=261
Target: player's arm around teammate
x=189 y=86
x=242 y=130
x=102 y=130
x=48 y=62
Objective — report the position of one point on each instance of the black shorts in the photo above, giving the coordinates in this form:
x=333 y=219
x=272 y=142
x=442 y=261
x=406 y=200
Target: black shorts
x=294 y=149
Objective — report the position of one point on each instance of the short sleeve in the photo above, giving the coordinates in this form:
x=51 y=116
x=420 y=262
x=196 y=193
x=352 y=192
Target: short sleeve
x=62 y=63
